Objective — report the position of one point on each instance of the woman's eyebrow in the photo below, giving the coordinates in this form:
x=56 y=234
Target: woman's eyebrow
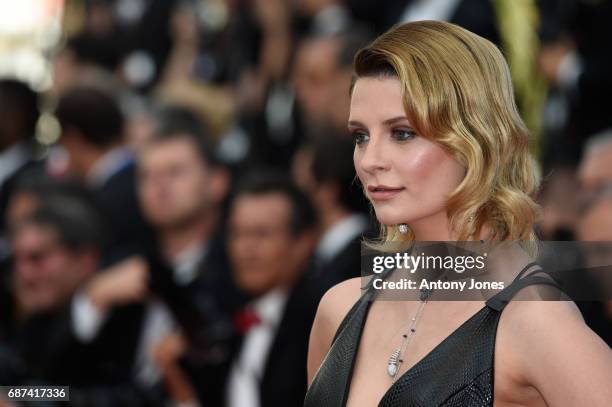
x=394 y=120
x=387 y=122
x=355 y=123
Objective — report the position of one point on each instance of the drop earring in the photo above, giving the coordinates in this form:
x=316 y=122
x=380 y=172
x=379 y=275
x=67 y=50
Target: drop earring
x=402 y=228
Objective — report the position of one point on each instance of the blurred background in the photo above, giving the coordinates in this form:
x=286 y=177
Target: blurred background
x=177 y=188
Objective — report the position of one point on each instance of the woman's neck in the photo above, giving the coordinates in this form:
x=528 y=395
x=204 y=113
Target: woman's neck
x=437 y=228
x=433 y=228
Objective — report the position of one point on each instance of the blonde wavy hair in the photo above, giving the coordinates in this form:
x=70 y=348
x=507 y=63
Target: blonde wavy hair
x=458 y=93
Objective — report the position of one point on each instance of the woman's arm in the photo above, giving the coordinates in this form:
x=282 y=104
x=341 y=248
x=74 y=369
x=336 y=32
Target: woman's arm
x=562 y=357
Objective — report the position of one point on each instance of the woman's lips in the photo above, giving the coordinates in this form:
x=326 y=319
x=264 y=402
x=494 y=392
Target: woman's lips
x=383 y=193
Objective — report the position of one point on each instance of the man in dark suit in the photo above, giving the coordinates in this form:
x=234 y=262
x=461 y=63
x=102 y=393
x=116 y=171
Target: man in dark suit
x=340 y=206
x=18 y=117
x=110 y=309
x=57 y=250
x=321 y=76
x=271 y=238
x=182 y=186
x=92 y=135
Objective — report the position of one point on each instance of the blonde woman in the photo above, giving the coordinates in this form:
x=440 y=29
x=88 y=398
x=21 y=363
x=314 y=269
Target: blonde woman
x=443 y=156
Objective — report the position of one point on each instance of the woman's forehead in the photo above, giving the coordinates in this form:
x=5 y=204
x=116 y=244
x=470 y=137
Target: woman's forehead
x=376 y=98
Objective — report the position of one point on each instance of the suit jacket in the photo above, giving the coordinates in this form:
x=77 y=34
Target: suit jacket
x=284 y=381
x=205 y=306
x=44 y=350
x=127 y=232
x=342 y=266
x=6 y=190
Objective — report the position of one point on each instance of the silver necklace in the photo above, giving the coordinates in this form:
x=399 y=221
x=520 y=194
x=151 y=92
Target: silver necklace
x=395 y=359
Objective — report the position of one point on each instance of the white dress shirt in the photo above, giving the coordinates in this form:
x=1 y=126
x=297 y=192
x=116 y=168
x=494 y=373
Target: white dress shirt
x=11 y=160
x=108 y=165
x=339 y=236
x=247 y=370
x=87 y=319
x=187 y=262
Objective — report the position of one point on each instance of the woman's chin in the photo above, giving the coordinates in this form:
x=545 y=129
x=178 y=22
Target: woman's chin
x=389 y=215
x=389 y=220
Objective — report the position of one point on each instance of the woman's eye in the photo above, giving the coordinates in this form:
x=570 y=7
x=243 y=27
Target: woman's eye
x=403 y=134
x=360 y=137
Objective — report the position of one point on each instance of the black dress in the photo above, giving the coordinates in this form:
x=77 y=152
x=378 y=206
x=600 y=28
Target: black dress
x=457 y=372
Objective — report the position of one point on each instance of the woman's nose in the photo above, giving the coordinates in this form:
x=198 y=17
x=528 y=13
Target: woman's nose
x=372 y=157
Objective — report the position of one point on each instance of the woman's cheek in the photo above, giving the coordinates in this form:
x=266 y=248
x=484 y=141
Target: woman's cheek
x=430 y=171
x=420 y=165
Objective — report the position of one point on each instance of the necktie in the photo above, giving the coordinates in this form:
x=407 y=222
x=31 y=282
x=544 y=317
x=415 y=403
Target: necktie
x=245 y=320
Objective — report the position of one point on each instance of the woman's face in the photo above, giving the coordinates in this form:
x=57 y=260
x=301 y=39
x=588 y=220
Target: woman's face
x=406 y=177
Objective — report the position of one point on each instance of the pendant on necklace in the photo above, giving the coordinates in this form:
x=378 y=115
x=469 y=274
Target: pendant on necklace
x=393 y=366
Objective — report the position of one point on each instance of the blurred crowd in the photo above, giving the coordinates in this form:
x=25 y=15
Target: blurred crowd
x=171 y=247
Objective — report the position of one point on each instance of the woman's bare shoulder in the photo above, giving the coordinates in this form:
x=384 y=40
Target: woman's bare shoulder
x=333 y=307
x=338 y=300
x=533 y=325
